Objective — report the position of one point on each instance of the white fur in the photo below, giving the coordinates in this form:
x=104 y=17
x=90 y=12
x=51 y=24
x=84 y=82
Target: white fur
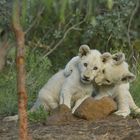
x=74 y=90
x=48 y=96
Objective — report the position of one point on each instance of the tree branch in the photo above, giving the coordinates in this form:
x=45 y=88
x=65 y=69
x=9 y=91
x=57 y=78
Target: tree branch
x=64 y=36
x=35 y=20
x=20 y=67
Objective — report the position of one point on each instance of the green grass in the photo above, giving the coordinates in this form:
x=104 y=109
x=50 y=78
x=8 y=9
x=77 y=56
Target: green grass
x=40 y=115
x=135 y=90
x=37 y=73
x=8 y=97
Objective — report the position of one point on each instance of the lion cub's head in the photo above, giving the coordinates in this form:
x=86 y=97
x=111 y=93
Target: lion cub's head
x=90 y=63
x=114 y=71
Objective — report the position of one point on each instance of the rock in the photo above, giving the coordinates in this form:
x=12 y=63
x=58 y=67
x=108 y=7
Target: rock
x=60 y=109
x=92 y=109
x=61 y=115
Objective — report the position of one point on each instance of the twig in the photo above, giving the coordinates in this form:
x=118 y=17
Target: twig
x=20 y=68
x=35 y=20
x=66 y=26
x=60 y=41
x=138 y=122
x=5 y=43
x=110 y=36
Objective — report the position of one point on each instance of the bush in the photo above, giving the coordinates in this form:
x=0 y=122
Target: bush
x=135 y=87
x=37 y=73
x=40 y=115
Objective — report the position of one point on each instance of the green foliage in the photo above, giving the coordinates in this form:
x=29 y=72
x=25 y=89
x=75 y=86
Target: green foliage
x=135 y=87
x=37 y=74
x=104 y=29
x=105 y=25
x=111 y=27
x=40 y=115
x=62 y=10
x=110 y=4
x=5 y=14
x=23 y=12
x=8 y=97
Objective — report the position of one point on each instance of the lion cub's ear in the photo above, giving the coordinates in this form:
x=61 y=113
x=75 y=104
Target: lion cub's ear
x=106 y=57
x=118 y=58
x=129 y=77
x=83 y=50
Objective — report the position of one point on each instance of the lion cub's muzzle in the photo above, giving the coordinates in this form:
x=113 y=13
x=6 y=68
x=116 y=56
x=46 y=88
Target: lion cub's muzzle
x=85 y=79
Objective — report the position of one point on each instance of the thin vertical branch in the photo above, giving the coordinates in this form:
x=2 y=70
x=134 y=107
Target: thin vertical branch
x=20 y=67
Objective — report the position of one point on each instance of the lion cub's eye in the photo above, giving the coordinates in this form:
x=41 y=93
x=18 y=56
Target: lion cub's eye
x=103 y=71
x=107 y=81
x=95 y=68
x=85 y=64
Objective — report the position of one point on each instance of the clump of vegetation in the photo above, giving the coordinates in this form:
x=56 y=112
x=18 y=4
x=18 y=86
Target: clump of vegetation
x=40 y=115
x=38 y=72
x=135 y=86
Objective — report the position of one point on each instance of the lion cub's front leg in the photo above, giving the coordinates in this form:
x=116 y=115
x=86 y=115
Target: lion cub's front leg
x=78 y=102
x=122 y=103
x=65 y=98
x=123 y=109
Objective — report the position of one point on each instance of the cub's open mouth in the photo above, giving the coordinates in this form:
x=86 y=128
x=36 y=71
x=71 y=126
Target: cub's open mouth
x=86 y=81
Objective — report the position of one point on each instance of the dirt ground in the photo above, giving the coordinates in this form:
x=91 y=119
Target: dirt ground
x=110 y=128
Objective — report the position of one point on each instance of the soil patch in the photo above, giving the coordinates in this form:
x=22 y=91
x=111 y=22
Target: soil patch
x=110 y=128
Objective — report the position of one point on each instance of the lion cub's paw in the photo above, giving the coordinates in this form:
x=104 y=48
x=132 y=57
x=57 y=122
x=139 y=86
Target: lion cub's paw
x=122 y=113
x=99 y=97
x=67 y=72
x=137 y=110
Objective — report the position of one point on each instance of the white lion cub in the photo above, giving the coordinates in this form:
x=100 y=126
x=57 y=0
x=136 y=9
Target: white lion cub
x=72 y=90
x=113 y=80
